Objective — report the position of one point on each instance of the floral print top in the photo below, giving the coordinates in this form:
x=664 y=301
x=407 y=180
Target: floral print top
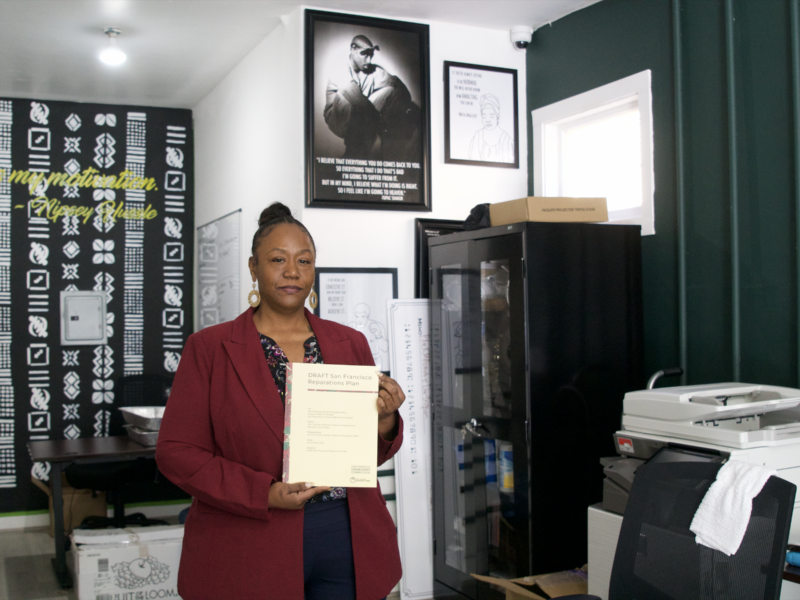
x=277 y=361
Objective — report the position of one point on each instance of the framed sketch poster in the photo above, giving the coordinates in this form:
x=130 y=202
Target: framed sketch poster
x=367 y=113
x=357 y=298
x=481 y=116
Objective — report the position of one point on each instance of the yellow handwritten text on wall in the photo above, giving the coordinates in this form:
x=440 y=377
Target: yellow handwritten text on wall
x=52 y=209
x=89 y=177
x=111 y=211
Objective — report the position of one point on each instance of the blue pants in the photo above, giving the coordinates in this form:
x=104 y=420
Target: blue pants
x=328 y=567
x=328 y=552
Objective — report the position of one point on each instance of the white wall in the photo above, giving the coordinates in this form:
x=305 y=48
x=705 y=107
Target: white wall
x=249 y=140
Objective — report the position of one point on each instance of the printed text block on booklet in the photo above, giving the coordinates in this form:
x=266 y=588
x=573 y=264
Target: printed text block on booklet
x=331 y=426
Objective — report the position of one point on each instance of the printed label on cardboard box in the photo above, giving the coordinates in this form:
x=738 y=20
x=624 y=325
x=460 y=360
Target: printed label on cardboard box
x=128 y=572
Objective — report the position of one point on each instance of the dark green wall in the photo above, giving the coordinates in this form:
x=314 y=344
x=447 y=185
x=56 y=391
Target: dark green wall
x=616 y=38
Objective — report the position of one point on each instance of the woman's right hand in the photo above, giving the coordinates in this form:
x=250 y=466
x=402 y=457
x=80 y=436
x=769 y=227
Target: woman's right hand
x=292 y=496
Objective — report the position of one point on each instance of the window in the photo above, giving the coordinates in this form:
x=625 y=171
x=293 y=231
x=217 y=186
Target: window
x=600 y=144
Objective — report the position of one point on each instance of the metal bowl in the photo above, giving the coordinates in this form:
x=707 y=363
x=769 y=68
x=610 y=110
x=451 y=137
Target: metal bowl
x=142 y=436
x=144 y=417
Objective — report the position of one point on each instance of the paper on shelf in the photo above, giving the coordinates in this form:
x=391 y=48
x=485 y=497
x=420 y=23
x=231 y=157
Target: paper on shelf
x=331 y=425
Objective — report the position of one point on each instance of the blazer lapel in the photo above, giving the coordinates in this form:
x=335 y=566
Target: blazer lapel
x=247 y=356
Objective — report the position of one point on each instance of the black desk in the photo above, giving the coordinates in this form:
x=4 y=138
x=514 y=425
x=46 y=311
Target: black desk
x=62 y=453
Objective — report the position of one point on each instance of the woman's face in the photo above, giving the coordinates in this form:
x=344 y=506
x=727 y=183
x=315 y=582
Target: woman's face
x=489 y=117
x=285 y=268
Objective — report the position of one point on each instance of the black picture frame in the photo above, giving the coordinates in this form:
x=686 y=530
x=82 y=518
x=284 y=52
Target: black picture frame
x=367 y=150
x=357 y=297
x=424 y=229
x=472 y=92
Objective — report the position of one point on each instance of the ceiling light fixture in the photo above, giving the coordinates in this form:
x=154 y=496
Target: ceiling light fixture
x=112 y=55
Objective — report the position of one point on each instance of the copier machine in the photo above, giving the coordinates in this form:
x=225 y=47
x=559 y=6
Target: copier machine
x=758 y=424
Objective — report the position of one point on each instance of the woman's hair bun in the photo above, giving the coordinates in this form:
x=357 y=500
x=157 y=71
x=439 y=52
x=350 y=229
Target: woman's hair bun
x=276 y=214
x=273 y=212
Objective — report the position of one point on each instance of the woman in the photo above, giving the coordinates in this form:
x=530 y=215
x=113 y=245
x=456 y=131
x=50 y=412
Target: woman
x=248 y=535
x=491 y=143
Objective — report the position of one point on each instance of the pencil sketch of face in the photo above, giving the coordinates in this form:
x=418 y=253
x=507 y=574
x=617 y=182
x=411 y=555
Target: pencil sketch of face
x=361 y=312
x=490 y=111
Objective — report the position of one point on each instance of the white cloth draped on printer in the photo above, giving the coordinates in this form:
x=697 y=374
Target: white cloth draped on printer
x=721 y=519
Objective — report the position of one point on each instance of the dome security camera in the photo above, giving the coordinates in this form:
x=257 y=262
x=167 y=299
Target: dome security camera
x=521 y=36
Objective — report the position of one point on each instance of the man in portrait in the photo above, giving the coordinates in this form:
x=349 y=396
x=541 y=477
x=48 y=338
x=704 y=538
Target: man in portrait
x=375 y=333
x=372 y=110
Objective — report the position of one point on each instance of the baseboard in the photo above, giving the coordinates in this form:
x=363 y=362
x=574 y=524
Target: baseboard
x=24 y=520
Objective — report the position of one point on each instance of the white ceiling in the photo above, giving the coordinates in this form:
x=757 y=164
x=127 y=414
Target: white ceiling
x=178 y=50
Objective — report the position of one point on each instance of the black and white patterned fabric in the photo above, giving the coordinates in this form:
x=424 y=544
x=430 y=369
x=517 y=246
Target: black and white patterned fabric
x=92 y=197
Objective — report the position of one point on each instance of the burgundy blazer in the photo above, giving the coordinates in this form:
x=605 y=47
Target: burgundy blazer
x=221 y=441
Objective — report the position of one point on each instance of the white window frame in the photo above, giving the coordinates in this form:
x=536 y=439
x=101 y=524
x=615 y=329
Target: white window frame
x=548 y=122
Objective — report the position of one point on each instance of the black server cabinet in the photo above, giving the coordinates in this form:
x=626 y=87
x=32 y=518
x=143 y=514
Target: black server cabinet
x=537 y=335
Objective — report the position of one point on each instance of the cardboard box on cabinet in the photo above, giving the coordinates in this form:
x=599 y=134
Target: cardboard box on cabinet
x=549 y=210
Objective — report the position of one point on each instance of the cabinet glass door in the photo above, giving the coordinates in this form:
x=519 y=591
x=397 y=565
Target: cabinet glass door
x=480 y=413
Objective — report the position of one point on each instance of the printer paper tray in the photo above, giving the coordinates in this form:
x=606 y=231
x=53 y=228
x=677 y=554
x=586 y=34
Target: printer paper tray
x=766 y=436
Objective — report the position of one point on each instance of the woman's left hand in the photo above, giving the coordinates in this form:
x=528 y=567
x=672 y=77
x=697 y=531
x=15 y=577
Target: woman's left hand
x=390 y=398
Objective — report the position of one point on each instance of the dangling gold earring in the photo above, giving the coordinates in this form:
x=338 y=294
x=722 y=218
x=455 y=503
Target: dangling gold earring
x=254 y=298
x=313 y=298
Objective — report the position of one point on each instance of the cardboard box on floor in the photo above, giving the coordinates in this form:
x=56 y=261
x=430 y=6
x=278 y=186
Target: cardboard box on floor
x=140 y=562
x=78 y=504
x=549 y=210
x=541 y=587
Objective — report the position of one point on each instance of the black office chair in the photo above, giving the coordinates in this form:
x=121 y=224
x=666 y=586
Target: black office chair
x=119 y=479
x=657 y=557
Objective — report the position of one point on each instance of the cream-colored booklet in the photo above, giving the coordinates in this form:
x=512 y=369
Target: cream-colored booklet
x=331 y=425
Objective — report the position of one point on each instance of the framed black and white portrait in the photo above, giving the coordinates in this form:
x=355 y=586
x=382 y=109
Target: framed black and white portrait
x=481 y=116
x=367 y=113
x=358 y=298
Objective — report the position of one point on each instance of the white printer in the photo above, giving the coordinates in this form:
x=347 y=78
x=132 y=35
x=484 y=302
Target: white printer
x=758 y=424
